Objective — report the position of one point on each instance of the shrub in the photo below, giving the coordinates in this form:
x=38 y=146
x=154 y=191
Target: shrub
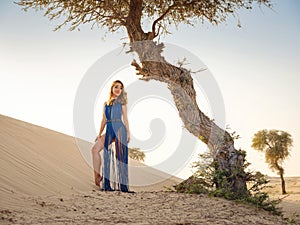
x=206 y=179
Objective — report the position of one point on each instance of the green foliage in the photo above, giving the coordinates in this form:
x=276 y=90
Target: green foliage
x=276 y=144
x=193 y=185
x=257 y=182
x=207 y=179
x=136 y=154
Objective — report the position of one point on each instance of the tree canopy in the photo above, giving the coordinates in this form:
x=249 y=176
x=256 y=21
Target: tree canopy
x=276 y=145
x=114 y=14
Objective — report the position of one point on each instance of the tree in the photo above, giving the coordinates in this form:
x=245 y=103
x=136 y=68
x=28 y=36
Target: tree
x=131 y=15
x=276 y=145
x=136 y=154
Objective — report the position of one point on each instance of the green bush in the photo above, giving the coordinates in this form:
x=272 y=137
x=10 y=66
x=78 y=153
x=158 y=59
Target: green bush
x=209 y=180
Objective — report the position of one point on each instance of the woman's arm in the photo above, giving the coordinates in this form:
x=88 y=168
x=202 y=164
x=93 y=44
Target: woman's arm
x=125 y=119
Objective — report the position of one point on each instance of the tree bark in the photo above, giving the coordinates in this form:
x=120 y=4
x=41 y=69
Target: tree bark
x=282 y=184
x=153 y=66
x=281 y=172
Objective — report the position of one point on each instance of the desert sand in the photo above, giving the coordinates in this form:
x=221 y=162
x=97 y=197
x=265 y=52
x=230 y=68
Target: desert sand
x=46 y=179
x=290 y=203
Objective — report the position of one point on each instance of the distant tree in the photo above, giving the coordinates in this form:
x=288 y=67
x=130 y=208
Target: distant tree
x=134 y=16
x=276 y=145
x=136 y=154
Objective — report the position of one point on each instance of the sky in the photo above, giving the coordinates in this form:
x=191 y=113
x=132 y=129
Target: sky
x=255 y=68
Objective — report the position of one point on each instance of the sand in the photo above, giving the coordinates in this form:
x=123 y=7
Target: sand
x=290 y=203
x=45 y=179
x=96 y=207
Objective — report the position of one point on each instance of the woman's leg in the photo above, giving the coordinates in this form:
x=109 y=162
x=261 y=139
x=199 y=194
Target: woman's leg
x=97 y=147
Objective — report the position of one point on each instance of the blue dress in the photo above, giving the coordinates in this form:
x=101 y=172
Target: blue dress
x=115 y=157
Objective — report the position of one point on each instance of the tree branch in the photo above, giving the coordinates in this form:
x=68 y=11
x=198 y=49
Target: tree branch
x=102 y=13
x=161 y=18
x=133 y=21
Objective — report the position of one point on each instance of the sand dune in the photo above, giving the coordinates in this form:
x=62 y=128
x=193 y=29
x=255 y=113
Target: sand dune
x=46 y=179
x=39 y=161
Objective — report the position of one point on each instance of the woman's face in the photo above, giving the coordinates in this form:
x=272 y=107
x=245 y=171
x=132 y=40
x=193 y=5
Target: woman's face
x=117 y=89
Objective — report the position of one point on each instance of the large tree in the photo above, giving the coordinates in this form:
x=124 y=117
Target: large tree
x=276 y=145
x=131 y=15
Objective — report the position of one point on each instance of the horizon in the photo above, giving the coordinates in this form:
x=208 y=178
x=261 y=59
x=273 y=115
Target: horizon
x=60 y=133
x=255 y=67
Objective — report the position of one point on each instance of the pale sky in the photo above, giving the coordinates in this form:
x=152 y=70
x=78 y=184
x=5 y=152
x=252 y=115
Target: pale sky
x=256 y=68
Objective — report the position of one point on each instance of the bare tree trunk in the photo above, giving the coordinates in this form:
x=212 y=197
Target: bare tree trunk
x=282 y=184
x=281 y=172
x=153 y=66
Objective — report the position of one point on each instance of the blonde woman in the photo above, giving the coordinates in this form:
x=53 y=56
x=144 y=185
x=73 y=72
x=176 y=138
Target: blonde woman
x=117 y=136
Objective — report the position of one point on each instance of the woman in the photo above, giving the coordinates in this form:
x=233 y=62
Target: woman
x=117 y=133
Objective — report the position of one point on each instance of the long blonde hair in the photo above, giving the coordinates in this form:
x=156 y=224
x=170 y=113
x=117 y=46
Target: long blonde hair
x=122 y=98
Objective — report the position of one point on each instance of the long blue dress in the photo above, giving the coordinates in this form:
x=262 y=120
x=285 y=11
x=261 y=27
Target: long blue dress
x=115 y=163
